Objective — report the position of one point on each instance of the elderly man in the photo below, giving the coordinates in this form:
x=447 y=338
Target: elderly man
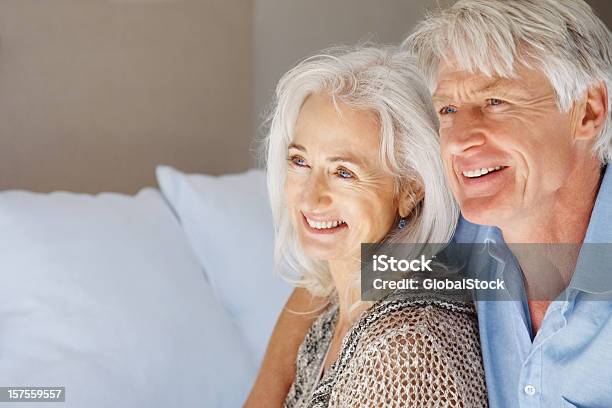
x=522 y=92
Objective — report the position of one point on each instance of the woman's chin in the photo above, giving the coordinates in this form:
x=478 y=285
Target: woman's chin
x=324 y=247
x=319 y=253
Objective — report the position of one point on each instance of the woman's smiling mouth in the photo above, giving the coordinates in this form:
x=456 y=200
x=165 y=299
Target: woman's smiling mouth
x=329 y=226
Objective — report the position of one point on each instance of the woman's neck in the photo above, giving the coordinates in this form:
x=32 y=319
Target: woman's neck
x=345 y=276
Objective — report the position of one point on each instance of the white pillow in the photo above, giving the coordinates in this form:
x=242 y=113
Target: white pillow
x=229 y=224
x=102 y=294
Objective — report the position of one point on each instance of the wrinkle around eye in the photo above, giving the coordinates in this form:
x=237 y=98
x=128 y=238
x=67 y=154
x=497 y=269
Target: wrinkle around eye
x=370 y=183
x=292 y=168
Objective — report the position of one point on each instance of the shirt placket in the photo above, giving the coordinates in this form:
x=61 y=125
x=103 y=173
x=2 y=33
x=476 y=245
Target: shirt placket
x=531 y=384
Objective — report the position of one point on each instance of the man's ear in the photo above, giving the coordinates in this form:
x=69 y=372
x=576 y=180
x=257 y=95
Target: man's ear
x=595 y=113
x=411 y=194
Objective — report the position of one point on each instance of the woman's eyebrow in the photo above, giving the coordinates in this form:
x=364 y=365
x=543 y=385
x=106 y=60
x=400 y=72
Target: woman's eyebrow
x=347 y=159
x=296 y=146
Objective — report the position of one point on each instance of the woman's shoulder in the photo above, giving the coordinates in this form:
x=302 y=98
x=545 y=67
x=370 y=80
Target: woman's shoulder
x=415 y=349
x=427 y=315
x=434 y=329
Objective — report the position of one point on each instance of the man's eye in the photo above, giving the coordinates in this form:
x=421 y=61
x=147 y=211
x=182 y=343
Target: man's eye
x=495 y=102
x=345 y=174
x=447 y=109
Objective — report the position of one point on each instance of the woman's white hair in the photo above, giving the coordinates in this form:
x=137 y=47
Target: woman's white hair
x=387 y=82
x=562 y=38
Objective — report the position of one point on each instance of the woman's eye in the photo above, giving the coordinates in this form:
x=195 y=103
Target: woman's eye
x=447 y=109
x=345 y=174
x=298 y=161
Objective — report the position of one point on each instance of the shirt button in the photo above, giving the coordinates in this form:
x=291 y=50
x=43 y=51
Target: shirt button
x=530 y=389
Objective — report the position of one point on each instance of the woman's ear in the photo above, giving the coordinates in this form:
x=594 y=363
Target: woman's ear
x=594 y=113
x=411 y=194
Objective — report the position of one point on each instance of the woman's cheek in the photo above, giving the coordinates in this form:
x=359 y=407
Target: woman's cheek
x=292 y=188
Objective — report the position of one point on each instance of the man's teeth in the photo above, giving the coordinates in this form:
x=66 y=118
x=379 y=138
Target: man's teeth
x=323 y=224
x=480 y=172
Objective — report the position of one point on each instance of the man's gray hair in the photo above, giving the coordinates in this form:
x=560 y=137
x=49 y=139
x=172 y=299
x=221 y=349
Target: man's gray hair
x=562 y=38
x=388 y=83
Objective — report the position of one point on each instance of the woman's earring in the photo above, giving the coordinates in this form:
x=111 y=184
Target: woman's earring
x=402 y=223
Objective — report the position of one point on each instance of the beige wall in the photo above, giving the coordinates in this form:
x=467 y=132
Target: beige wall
x=95 y=93
x=603 y=8
x=287 y=31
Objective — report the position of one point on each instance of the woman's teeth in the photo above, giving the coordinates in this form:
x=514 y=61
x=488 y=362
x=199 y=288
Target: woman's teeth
x=323 y=224
x=481 y=172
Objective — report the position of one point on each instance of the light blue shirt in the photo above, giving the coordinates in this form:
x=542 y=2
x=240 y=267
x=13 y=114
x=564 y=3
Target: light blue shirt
x=569 y=362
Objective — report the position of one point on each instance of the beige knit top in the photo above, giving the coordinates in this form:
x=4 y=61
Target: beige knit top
x=402 y=352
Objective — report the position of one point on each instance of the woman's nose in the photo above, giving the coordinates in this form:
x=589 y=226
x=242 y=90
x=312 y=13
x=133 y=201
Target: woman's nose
x=316 y=194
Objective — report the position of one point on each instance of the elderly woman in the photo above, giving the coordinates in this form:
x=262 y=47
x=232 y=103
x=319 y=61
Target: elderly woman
x=352 y=158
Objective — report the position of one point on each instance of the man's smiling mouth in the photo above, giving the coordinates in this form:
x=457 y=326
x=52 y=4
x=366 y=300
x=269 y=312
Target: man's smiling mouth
x=483 y=181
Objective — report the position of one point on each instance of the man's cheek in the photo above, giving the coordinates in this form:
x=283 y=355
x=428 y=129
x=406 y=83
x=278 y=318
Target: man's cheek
x=446 y=122
x=447 y=162
x=445 y=138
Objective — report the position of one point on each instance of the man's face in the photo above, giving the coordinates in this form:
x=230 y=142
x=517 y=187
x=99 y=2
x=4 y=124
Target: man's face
x=506 y=146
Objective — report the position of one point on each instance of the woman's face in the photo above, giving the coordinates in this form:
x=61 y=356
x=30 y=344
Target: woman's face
x=337 y=193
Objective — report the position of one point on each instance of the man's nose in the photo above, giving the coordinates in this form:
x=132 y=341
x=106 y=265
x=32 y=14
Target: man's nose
x=316 y=194
x=469 y=130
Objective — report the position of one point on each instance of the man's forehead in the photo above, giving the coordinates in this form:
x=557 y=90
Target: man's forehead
x=450 y=77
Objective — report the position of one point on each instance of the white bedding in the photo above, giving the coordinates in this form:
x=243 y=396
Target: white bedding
x=103 y=295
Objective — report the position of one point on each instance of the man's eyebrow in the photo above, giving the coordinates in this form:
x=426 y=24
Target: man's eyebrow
x=493 y=87
x=441 y=99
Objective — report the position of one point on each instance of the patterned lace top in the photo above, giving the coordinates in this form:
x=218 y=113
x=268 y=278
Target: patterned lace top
x=402 y=352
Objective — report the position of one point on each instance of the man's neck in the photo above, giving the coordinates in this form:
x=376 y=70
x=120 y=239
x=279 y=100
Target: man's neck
x=564 y=218
x=556 y=233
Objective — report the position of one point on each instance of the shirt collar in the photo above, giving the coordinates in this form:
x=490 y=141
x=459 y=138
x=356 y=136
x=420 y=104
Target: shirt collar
x=593 y=273
x=470 y=233
x=599 y=230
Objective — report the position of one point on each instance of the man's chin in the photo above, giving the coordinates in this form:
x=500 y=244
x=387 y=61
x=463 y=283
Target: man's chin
x=485 y=211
